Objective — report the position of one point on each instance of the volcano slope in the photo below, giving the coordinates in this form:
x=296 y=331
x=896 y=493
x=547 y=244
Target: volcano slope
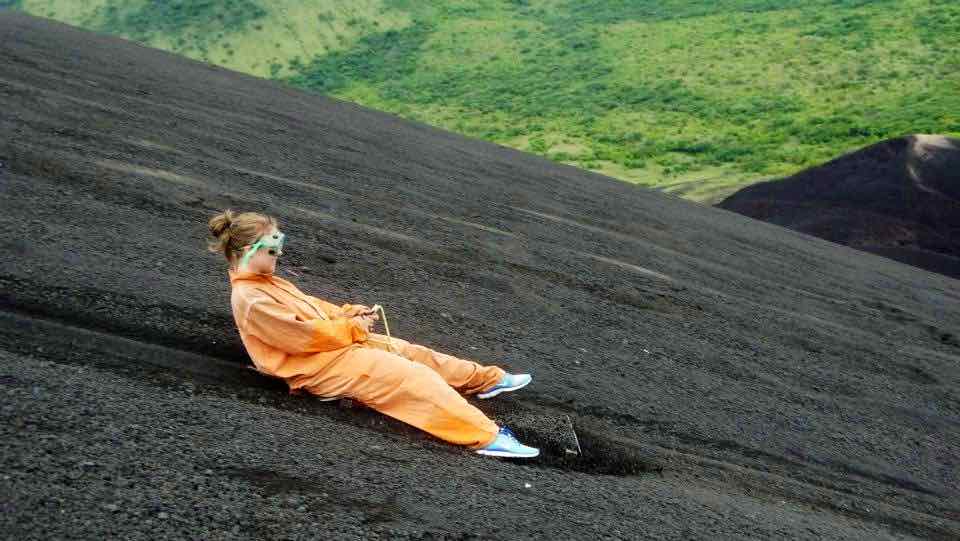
x=899 y=198
x=726 y=377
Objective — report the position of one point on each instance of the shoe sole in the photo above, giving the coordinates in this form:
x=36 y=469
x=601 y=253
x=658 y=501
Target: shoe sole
x=507 y=454
x=492 y=394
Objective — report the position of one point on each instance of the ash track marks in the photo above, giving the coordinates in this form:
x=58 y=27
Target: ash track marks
x=665 y=447
x=658 y=447
x=170 y=366
x=902 y=316
x=130 y=168
x=146 y=352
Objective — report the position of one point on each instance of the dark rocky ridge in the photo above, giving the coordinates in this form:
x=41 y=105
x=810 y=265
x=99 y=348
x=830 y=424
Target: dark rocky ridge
x=729 y=378
x=899 y=198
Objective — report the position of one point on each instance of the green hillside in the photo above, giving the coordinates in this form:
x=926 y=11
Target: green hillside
x=697 y=97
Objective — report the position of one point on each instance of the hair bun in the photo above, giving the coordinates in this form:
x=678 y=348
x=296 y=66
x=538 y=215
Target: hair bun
x=220 y=223
x=231 y=230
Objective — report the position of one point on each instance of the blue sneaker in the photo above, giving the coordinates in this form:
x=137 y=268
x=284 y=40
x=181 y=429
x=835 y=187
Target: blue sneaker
x=510 y=382
x=507 y=445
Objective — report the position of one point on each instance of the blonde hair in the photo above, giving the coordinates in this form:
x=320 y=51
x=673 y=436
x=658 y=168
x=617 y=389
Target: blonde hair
x=232 y=231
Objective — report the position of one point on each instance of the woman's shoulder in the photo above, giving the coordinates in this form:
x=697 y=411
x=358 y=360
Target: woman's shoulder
x=279 y=280
x=247 y=293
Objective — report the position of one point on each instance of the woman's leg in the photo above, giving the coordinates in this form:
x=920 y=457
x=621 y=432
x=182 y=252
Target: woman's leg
x=404 y=390
x=465 y=376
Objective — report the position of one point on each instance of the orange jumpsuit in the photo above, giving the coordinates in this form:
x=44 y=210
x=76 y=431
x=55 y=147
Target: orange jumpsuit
x=315 y=346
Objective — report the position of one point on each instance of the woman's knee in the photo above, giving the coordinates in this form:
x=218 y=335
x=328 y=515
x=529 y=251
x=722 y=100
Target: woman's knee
x=388 y=343
x=386 y=365
x=399 y=345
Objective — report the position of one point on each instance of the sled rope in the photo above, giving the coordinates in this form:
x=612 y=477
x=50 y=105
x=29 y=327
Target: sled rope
x=385 y=326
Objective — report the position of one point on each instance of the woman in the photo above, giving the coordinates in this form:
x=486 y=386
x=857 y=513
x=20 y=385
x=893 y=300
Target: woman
x=329 y=350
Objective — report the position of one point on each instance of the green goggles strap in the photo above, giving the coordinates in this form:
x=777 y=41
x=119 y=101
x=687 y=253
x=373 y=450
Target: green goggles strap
x=248 y=255
x=264 y=241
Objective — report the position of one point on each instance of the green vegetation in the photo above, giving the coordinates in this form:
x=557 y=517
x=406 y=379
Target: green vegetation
x=697 y=97
x=194 y=23
x=377 y=58
x=175 y=16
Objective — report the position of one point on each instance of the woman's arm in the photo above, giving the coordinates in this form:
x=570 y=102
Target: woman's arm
x=337 y=312
x=277 y=325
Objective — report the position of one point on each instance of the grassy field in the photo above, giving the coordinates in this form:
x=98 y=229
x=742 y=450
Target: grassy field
x=696 y=97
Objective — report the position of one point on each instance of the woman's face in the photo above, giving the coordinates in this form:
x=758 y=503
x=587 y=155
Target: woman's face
x=261 y=262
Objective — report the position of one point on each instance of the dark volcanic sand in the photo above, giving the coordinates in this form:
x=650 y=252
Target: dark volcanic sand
x=899 y=198
x=727 y=377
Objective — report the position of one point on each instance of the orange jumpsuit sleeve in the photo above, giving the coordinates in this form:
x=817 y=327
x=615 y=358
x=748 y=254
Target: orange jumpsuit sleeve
x=277 y=325
x=337 y=312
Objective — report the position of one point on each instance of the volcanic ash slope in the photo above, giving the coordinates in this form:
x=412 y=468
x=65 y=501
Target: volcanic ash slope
x=726 y=377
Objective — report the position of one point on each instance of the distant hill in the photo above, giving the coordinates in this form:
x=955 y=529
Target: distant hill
x=695 y=97
x=899 y=198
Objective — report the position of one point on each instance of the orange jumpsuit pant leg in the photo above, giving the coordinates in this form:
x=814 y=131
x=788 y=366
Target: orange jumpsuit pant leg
x=465 y=376
x=405 y=390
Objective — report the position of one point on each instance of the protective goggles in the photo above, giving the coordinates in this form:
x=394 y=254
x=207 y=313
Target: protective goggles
x=272 y=243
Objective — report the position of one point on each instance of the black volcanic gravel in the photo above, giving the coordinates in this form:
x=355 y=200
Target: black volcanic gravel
x=726 y=378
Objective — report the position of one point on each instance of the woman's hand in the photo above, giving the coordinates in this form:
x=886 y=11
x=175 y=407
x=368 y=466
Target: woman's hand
x=357 y=310
x=366 y=321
